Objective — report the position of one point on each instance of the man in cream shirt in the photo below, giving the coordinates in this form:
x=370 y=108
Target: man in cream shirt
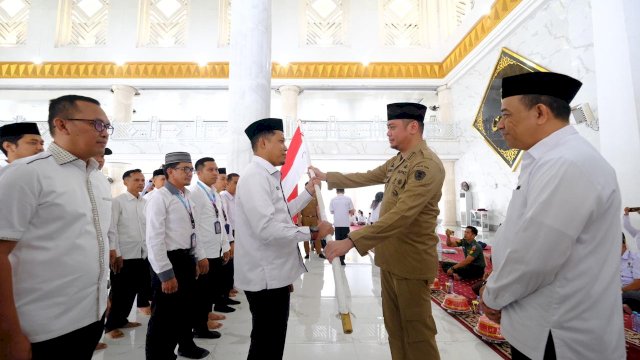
x=268 y=259
x=555 y=286
x=53 y=239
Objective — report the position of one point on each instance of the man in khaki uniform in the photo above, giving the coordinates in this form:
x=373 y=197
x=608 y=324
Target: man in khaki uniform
x=309 y=217
x=404 y=237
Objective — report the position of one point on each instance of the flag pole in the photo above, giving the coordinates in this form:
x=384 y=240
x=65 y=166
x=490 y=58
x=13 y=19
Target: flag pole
x=340 y=279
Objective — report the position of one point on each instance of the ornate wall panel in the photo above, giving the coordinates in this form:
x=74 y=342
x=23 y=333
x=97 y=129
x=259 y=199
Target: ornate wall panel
x=82 y=23
x=403 y=22
x=163 y=23
x=14 y=17
x=488 y=115
x=324 y=22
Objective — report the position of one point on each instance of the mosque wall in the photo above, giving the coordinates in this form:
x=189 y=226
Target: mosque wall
x=557 y=36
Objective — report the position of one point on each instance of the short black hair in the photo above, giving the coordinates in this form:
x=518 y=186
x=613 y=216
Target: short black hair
x=200 y=162
x=340 y=191
x=256 y=138
x=420 y=124
x=10 y=139
x=166 y=167
x=558 y=107
x=61 y=106
x=231 y=176
x=129 y=172
x=473 y=229
x=624 y=239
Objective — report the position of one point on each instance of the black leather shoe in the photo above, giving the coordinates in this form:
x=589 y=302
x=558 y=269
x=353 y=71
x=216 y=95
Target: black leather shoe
x=194 y=353
x=232 y=302
x=223 y=308
x=207 y=334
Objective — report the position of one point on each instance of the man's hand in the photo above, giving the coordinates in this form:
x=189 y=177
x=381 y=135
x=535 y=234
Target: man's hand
x=493 y=314
x=225 y=257
x=170 y=286
x=112 y=258
x=450 y=271
x=626 y=211
x=311 y=185
x=324 y=228
x=319 y=174
x=16 y=347
x=335 y=249
x=203 y=267
x=231 y=250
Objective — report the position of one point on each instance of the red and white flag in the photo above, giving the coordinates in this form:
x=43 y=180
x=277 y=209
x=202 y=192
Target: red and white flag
x=295 y=165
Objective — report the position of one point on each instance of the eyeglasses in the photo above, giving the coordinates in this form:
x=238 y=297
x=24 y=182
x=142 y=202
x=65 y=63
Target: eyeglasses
x=186 y=169
x=99 y=125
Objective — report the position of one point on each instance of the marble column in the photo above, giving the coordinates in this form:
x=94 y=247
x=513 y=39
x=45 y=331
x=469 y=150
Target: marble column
x=616 y=35
x=289 y=95
x=449 y=195
x=123 y=102
x=249 y=75
x=114 y=171
x=445 y=101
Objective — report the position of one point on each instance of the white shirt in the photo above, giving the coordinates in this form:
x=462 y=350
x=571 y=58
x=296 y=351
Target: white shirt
x=229 y=203
x=631 y=230
x=58 y=214
x=375 y=214
x=169 y=228
x=629 y=268
x=206 y=216
x=128 y=224
x=556 y=256
x=266 y=253
x=340 y=207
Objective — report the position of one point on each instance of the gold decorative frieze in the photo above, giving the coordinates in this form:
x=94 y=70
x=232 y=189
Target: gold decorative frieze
x=306 y=70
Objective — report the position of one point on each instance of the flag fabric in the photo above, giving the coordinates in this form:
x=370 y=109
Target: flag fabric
x=295 y=165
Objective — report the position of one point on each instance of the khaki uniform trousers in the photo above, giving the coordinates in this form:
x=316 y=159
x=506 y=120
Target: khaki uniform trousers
x=406 y=306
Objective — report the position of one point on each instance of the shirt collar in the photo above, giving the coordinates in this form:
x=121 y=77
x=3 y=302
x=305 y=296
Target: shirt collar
x=205 y=186
x=62 y=156
x=174 y=190
x=421 y=145
x=626 y=255
x=265 y=164
x=130 y=196
x=551 y=142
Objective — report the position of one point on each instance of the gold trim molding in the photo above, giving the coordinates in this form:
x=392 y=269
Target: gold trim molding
x=302 y=70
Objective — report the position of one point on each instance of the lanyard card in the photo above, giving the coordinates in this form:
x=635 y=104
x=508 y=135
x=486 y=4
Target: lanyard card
x=217 y=227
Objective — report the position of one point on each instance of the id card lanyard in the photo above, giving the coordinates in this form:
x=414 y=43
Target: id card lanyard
x=216 y=224
x=187 y=206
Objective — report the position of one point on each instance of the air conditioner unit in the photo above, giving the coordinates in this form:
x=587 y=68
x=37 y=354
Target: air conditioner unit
x=466 y=205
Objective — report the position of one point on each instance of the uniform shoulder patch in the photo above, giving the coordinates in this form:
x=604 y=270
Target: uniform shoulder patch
x=420 y=174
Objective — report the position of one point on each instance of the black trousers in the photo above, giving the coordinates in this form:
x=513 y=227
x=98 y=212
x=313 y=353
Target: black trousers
x=78 y=344
x=172 y=315
x=216 y=269
x=133 y=279
x=341 y=233
x=549 y=351
x=468 y=272
x=208 y=290
x=269 y=317
x=227 y=278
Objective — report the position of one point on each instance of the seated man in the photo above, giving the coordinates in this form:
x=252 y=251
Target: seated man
x=630 y=277
x=472 y=267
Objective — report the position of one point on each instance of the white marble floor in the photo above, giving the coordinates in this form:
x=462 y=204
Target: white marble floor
x=314 y=330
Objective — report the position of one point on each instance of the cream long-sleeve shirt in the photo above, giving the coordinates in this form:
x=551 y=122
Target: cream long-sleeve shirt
x=557 y=254
x=266 y=252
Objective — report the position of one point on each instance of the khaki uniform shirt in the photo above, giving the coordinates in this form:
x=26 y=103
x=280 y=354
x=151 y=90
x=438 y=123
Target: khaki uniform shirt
x=404 y=237
x=309 y=215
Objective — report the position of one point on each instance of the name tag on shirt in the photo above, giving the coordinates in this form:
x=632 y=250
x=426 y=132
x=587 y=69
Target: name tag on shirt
x=217 y=227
